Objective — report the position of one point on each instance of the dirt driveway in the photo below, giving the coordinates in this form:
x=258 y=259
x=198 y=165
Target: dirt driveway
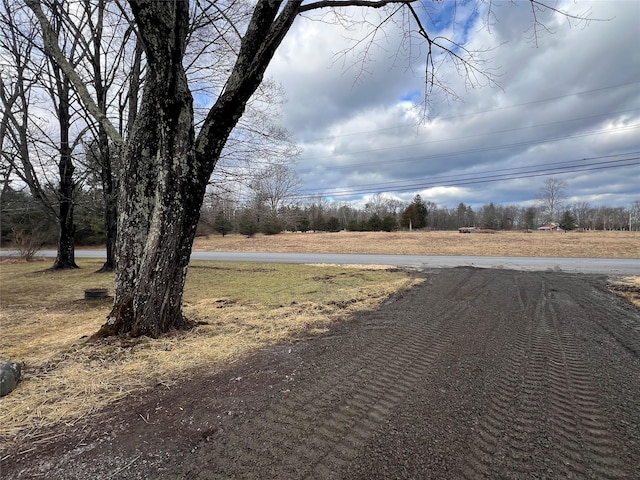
x=474 y=374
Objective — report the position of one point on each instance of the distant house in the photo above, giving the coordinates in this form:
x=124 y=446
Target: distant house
x=467 y=229
x=550 y=226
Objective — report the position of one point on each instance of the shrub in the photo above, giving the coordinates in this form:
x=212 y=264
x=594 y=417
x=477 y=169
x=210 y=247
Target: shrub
x=221 y=224
x=271 y=226
x=248 y=225
x=27 y=244
x=333 y=224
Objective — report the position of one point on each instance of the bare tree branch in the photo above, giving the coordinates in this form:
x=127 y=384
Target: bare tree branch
x=351 y=3
x=53 y=49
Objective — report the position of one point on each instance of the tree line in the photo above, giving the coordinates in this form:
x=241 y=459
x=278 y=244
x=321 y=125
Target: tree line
x=23 y=219
x=388 y=214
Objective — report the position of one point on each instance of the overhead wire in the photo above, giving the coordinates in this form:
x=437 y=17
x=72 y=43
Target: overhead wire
x=518 y=173
x=523 y=169
x=563 y=167
x=397 y=160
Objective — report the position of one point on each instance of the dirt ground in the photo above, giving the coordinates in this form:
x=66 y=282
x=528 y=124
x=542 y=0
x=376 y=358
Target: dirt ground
x=472 y=374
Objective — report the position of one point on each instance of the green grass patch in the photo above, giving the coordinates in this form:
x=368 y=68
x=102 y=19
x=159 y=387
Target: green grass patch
x=279 y=284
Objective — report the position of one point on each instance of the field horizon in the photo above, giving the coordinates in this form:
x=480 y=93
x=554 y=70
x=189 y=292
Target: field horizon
x=587 y=244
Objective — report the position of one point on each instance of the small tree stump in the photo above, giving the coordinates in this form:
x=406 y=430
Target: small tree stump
x=95 y=293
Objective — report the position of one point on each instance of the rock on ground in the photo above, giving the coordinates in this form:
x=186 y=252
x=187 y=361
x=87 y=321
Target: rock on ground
x=10 y=373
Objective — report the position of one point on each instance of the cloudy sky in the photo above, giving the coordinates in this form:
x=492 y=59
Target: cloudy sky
x=568 y=104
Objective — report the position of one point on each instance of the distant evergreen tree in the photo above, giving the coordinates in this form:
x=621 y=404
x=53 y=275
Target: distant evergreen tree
x=271 y=225
x=221 y=224
x=333 y=224
x=530 y=218
x=461 y=214
x=354 y=226
x=490 y=217
x=318 y=223
x=389 y=223
x=248 y=225
x=374 y=224
x=415 y=215
x=19 y=211
x=567 y=221
x=303 y=224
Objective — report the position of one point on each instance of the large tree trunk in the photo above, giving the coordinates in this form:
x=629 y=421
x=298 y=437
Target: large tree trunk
x=165 y=171
x=160 y=188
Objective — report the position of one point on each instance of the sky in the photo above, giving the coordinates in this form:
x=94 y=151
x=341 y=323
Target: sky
x=565 y=103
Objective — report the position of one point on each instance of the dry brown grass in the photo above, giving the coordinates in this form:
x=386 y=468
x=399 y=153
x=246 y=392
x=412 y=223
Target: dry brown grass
x=245 y=306
x=627 y=287
x=515 y=243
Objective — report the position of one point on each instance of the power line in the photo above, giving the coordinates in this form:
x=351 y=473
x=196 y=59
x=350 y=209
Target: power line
x=456 y=184
x=517 y=170
x=395 y=161
x=482 y=178
x=478 y=178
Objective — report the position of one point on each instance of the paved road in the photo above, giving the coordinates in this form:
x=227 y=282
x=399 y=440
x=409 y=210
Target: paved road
x=608 y=266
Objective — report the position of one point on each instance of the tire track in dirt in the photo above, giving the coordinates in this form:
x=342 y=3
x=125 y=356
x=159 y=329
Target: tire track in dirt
x=599 y=302
x=321 y=429
x=426 y=343
x=610 y=327
x=577 y=421
x=509 y=406
x=619 y=330
x=546 y=405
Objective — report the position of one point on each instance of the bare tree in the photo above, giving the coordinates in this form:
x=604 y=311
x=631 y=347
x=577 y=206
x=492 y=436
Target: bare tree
x=275 y=185
x=552 y=198
x=108 y=38
x=59 y=88
x=21 y=71
x=32 y=87
x=166 y=166
x=114 y=80
x=634 y=216
x=580 y=211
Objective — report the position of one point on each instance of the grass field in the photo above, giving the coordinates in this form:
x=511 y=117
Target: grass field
x=242 y=307
x=516 y=243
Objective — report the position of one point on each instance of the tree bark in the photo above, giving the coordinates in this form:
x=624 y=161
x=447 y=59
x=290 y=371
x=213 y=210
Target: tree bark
x=66 y=242
x=158 y=201
x=110 y=198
